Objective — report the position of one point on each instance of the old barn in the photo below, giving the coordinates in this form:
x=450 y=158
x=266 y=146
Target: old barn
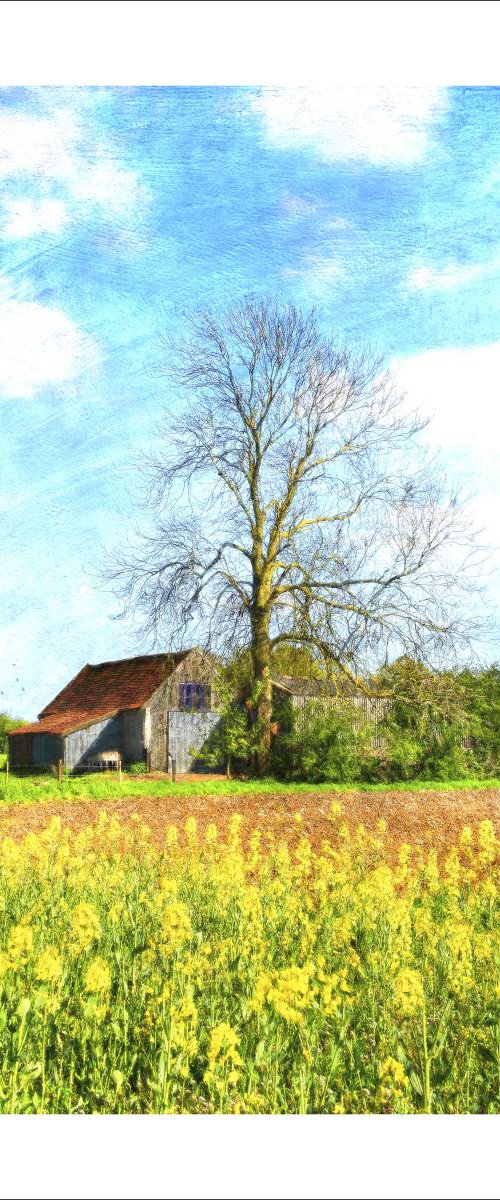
x=322 y=695
x=151 y=708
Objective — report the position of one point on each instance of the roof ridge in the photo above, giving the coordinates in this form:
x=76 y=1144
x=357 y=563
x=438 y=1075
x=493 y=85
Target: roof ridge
x=113 y=662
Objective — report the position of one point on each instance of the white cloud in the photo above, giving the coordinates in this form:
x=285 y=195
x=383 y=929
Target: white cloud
x=26 y=218
x=39 y=347
x=459 y=389
x=318 y=273
x=58 y=149
x=42 y=146
x=298 y=206
x=373 y=124
x=454 y=275
x=337 y=225
x=108 y=185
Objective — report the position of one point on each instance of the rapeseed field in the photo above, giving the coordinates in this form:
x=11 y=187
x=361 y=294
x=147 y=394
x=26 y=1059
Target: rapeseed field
x=248 y=974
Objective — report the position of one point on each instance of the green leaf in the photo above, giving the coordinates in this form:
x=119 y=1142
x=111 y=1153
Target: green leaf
x=260 y=1052
x=34 y=1070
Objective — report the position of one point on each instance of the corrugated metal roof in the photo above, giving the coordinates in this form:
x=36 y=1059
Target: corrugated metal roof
x=100 y=690
x=314 y=687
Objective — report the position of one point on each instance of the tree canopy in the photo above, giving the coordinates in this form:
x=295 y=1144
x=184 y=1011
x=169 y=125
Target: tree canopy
x=290 y=503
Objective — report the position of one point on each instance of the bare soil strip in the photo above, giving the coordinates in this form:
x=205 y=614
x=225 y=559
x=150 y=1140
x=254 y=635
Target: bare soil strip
x=421 y=818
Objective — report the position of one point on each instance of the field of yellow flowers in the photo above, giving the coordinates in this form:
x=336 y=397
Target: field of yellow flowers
x=266 y=978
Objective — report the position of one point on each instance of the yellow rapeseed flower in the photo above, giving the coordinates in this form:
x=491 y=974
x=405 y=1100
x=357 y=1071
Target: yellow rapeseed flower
x=85 y=925
x=408 y=993
x=223 y=1055
x=288 y=991
x=211 y=834
x=97 y=976
x=5 y=964
x=49 y=965
x=176 y=927
x=393 y=1082
x=20 y=944
x=168 y=888
x=487 y=842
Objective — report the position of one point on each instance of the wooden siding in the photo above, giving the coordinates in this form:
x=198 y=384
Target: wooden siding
x=187 y=733
x=367 y=711
x=195 y=668
x=133 y=735
x=21 y=750
x=47 y=749
x=81 y=745
x=35 y=750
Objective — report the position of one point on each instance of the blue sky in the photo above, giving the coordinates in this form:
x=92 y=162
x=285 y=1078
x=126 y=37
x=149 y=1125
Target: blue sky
x=122 y=207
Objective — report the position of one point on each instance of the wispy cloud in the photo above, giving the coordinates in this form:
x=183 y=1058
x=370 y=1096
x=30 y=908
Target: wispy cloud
x=26 y=218
x=453 y=275
x=298 y=207
x=458 y=390
x=317 y=273
x=39 y=347
x=68 y=159
x=372 y=124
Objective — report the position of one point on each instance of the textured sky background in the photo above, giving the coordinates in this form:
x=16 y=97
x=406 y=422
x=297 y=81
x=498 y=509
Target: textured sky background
x=119 y=207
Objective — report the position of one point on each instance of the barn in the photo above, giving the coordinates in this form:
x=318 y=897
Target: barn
x=322 y=695
x=152 y=708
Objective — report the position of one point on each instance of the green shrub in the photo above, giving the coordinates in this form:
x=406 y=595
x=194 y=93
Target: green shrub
x=482 y=701
x=320 y=747
x=404 y=757
x=136 y=768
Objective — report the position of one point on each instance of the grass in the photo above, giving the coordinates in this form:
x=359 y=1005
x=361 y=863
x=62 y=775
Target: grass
x=36 y=789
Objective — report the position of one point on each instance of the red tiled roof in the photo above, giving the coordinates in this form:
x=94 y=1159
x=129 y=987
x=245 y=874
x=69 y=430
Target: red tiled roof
x=101 y=690
x=61 y=723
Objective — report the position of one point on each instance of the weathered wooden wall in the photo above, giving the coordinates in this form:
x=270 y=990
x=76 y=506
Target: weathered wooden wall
x=196 y=668
x=47 y=749
x=94 y=739
x=35 y=749
x=133 y=735
x=366 y=711
x=187 y=733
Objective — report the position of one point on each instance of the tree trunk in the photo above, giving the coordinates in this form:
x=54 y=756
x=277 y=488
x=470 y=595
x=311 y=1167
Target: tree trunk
x=261 y=655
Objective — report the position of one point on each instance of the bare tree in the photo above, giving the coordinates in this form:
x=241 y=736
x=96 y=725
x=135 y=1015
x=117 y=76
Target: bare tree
x=291 y=502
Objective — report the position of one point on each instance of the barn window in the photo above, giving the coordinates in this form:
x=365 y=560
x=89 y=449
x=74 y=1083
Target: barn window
x=194 y=696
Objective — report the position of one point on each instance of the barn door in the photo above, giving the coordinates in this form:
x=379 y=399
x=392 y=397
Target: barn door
x=187 y=733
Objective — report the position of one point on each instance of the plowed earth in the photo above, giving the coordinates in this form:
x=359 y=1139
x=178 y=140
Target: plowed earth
x=421 y=818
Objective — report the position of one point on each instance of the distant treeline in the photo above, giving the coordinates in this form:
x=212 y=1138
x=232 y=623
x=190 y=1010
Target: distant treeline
x=7 y=723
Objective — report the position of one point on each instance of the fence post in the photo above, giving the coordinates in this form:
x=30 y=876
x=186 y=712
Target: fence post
x=173 y=770
x=119 y=770
x=59 y=770
x=6 y=772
